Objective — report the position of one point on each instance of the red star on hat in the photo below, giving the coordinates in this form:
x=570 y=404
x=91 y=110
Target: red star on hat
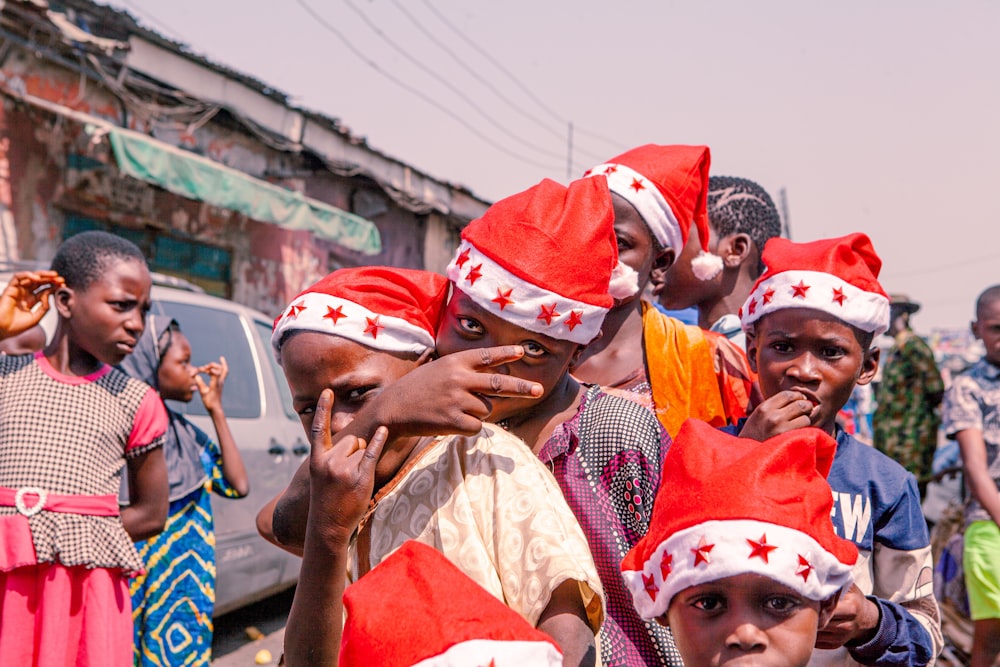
x=805 y=569
x=799 y=291
x=503 y=298
x=372 y=326
x=295 y=309
x=665 y=564
x=701 y=552
x=761 y=548
x=650 y=585
x=752 y=306
x=637 y=185
x=839 y=296
x=574 y=320
x=767 y=296
x=548 y=314
x=474 y=274
x=335 y=314
x=610 y=169
x=462 y=258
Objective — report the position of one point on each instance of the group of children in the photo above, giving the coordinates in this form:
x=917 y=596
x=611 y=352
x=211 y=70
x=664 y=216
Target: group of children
x=525 y=462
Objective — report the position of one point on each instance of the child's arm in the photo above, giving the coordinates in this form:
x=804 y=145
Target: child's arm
x=25 y=300
x=342 y=479
x=233 y=470
x=444 y=396
x=149 y=493
x=981 y=485
x=565 y=620
x=783 y=412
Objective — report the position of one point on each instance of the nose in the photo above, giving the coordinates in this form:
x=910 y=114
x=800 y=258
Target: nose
x=340 y=419
x=805 y=367
x=136 y=322
x=746 y=636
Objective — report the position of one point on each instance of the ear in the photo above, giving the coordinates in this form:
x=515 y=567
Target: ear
x=63 y=299
x=826 y=609
x=752 y=349
x=575 y=357
x=869 y=365
x=662 y=262
x=734 y=249
x=663 y=620
x=974 y=328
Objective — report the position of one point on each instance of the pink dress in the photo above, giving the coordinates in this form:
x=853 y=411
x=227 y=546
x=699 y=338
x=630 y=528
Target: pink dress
x=64 y=555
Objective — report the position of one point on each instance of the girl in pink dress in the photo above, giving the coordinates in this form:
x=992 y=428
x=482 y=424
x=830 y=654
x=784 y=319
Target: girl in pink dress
x=69 y=424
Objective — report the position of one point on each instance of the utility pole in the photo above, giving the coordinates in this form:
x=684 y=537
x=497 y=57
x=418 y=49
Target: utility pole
x=783 y=198
x=569 y=153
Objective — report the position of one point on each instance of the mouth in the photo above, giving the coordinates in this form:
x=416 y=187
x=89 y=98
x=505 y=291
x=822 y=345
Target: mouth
x=125 y=347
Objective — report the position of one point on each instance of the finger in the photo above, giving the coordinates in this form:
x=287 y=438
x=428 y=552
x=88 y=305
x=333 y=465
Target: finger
x=319 y=431
x=200 y=384
x=225 y=368
x=496 y=384
x=373 y=452
x=488 y=357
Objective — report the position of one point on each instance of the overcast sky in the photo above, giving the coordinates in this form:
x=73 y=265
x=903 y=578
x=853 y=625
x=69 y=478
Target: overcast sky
x=876 y=117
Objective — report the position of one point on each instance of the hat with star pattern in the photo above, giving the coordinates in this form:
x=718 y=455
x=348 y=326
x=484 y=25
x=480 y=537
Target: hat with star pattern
x=730 y=506
x=385 y=308
x=838 y=276
x=546 y=260
x=668 y=186
x=416 y=609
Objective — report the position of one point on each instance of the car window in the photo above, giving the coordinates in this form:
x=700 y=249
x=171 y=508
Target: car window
x=214 y=333
x=264 y=331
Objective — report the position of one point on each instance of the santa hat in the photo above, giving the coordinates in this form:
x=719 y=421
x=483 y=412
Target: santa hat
x=388 y=309
x=730 y=506
x=668 y=186
x=417 y=608
x=544 y=260
x=838 y=276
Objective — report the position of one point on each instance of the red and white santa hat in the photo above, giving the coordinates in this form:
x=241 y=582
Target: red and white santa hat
x=730 y=506
x=838 y=276
x=417 y=608
x=385 y=308
x=545 y=260
x=668 y=186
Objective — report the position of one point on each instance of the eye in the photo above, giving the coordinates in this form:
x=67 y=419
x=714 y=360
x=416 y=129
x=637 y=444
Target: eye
x=781 y=347
x=306 y=410
x=533 y=349
x=781 y=604
x=623 y=243
x=834 y=352
x=360 y=393
x=469 y=325
x=709 y=603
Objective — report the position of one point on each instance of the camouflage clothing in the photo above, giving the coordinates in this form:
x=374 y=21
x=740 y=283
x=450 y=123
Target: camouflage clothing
x=906 y=419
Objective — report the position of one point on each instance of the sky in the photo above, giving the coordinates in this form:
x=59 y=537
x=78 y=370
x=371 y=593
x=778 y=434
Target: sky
x=875 y=117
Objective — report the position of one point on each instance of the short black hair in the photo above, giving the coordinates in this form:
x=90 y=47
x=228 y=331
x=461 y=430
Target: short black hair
x=989 y=295
x=82 y=258
x=740 y=206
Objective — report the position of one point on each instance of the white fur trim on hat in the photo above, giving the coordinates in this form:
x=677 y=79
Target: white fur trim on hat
x=624 y=281
x=647 y=200
x=867 y=311
x=498 y=653
x=324 y=313
x=522 y=303
x=706 y=265
x=714 y=550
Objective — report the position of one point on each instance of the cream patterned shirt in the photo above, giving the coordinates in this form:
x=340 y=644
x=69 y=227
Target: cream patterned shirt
x=489 y=505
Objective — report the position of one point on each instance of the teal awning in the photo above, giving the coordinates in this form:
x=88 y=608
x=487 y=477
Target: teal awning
x=196 y=177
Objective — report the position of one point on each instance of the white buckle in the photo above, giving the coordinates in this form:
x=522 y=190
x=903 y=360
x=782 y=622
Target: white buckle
x=37 y=507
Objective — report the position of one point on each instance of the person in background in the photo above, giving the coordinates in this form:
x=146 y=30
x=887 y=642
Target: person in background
x=971 y=415
x=173 y=601
x=741 y=559
x=741 y=219
x=677 y=370
x=906 y=418
x=69 y=424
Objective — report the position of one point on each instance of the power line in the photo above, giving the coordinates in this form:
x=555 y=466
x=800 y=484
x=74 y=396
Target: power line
x=416 y=91
x=449 y=85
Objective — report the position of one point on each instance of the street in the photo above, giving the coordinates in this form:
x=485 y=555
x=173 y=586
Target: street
x=232 y=645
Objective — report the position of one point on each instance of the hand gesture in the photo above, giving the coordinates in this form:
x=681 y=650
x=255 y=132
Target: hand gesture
x=785 y=411
x=855 y=619
x=452 y=394
x=211 y=393
x=341 y=474
x=26 y=300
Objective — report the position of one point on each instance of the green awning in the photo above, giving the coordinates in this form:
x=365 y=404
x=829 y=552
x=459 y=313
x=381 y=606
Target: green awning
x=195 y=177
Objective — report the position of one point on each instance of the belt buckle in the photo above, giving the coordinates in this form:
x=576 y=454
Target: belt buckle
x=34 y=509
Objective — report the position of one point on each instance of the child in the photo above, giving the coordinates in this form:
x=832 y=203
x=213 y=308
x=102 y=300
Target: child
x=484 y=501
x=677 y=370
x=810 y=321
x=972 y=417
x=741 y=219
x=741 y=560
x=174 y=599
x=68 y=423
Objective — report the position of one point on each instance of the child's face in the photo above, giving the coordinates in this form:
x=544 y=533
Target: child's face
x=987 y=329
x=546 y=360
x=176 y=374
x=314 y=361
x=109 y=315
x=812 y=352
x=746 y=619
x=635 y=241
x=681 y=288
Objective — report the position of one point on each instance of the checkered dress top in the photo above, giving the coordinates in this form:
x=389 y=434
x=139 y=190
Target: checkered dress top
x=70 y=439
